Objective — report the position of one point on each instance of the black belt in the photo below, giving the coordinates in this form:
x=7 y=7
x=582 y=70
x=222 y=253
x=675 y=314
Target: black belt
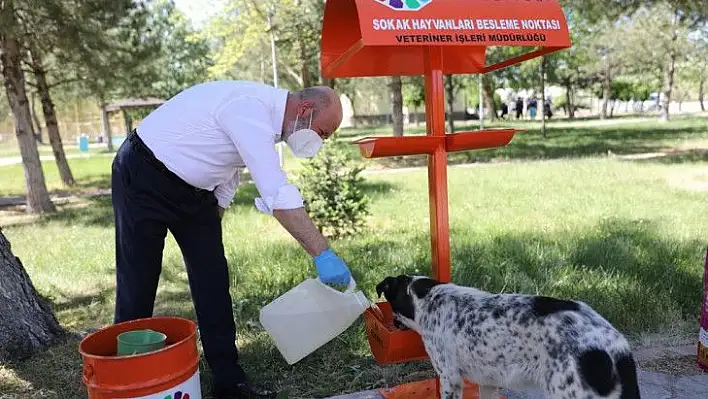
x=149 y=156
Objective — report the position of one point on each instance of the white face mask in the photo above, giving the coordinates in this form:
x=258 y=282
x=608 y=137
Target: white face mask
x=304 y=143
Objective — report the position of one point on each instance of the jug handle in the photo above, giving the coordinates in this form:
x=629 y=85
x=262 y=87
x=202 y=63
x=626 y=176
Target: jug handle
x=350 y=288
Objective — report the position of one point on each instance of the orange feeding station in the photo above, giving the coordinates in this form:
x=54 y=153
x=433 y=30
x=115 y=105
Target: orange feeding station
x=364 y=38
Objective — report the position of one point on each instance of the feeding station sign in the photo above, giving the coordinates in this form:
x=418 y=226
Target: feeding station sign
x=365 y=38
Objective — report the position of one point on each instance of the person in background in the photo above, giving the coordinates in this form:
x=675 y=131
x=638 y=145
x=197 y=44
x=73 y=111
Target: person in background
x=504 y=110
x=519 y=107
x=532 y=106
x=179 y=170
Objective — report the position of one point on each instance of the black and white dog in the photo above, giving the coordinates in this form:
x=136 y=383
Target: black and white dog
x=562 y=347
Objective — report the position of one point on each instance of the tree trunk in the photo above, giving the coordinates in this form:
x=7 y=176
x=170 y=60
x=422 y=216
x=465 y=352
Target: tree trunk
x=304 y=68
x=106 y=123
x=37 y=123
x=569 y=100
x=329 y=82
x=50 y=117
x=669 y=72
x=127 y=122
x=606 y=91
x=450 y=94
x=668 y=85
x=38 y=200
x=489 y=97
x=263 y=79
x=396 y=105
x=701 y=93
x=28 y=324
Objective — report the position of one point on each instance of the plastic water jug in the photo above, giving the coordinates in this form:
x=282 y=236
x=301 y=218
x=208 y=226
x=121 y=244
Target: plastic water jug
x=310 y=315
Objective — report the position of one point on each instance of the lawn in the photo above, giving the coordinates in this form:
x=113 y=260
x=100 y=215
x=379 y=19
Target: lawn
x=565 y=139
x=626 y=236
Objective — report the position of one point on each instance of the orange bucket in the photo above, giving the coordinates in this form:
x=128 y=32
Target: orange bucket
x=388 y=344
x=169 y=373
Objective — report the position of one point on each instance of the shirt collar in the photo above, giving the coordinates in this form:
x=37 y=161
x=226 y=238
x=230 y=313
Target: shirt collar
x=280 y=99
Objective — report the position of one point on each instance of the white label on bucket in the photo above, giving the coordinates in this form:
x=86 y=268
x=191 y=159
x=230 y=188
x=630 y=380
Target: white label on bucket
x=190 y=389
x=703 y=337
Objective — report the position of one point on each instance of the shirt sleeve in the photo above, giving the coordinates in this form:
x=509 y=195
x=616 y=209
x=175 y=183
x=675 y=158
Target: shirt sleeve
x=248 y=122
x=225 y=192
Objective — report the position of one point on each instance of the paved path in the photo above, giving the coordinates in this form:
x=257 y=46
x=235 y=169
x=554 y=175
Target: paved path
x=651 y=386
x=56 y=198
x=7 y=161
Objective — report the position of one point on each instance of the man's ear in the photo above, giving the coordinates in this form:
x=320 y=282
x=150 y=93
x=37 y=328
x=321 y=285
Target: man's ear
x=305 y=108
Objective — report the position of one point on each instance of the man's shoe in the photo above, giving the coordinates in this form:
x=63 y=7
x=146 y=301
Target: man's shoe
x=244 y=390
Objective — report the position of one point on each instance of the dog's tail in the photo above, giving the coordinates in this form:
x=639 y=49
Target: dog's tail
x=598 y=370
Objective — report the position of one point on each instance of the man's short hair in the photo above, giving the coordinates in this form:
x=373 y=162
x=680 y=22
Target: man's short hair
x=318 y=96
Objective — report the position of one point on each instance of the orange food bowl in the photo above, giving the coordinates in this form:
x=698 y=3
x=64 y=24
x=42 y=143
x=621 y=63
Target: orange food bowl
x=388 y=344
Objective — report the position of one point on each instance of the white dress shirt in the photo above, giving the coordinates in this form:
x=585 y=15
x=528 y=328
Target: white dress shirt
x=208 y=133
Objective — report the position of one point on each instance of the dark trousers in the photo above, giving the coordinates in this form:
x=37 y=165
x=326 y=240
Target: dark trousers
x=148 y=200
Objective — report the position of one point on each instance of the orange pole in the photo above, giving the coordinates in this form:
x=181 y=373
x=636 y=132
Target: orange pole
x=437 y=165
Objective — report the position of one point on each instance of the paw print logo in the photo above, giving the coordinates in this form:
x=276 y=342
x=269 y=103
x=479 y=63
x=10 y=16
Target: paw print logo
x=178 y=395
x=405 y=5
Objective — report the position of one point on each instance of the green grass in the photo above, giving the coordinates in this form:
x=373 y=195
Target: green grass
x=90 y=173
x=620 y=235
x=565 y=139
x=574 y=139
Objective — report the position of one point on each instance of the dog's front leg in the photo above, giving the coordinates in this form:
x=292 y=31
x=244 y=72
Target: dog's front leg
x=451 y=387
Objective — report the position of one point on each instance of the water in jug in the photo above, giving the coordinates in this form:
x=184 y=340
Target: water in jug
x=310 y=315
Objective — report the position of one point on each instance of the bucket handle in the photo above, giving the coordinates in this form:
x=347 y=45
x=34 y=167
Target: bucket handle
x=350 y=288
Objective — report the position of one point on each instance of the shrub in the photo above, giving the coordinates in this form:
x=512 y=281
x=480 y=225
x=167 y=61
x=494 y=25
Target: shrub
x=332 y=187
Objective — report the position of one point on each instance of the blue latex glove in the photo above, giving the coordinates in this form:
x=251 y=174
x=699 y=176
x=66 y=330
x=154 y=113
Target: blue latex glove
x=331 y=268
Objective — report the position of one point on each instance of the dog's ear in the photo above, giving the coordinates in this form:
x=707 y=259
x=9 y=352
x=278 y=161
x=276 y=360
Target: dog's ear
x=422 y=286
x=385 y=286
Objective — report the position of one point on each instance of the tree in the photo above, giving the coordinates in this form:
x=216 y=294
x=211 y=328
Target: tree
x=609 y=47
x=414 y=94
x=488 y=90
x=241 y=38
x=697 y=63
x=701 y=87
x=522 y=76
x=183 y=58
x=348 y=87
x=37 y=124
x=113 y=50
x=668 y=21
x=395 y=86
x=331 y=185
x=238 y=41
x=686 y=16
x=28 y=324
x=50 y=116
x=453 y=85
x=569 y=67
x=38 y=200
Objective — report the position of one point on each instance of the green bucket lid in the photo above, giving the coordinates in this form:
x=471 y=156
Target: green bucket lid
x=140 y=341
